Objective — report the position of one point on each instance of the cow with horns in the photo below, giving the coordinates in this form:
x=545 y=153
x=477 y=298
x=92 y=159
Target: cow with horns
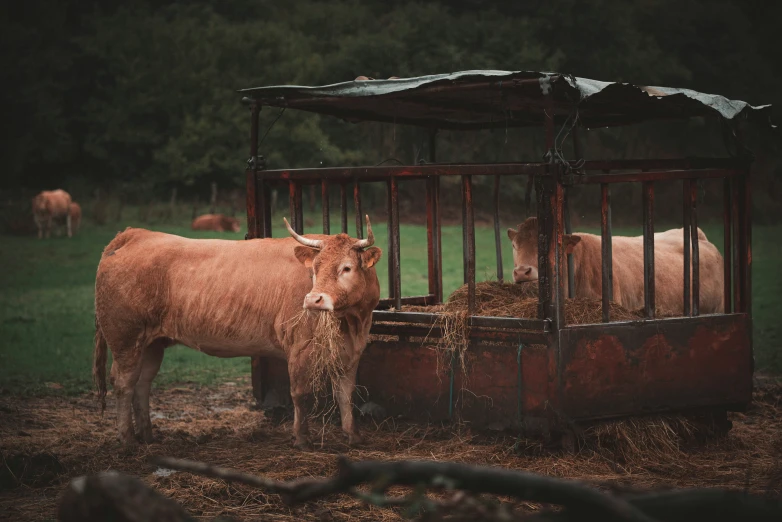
x=228 y=299
x=628 y=267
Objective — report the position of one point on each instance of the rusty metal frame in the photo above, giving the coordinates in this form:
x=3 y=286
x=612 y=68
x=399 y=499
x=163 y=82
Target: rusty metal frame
x=567 y=346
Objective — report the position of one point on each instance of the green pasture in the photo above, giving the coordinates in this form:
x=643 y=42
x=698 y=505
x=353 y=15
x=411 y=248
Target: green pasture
x=47 y=321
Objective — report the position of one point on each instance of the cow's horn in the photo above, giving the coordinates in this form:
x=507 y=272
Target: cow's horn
x=314 y=243
x=370 y=240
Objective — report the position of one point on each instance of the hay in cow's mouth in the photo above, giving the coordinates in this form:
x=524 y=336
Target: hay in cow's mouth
x=325 y=361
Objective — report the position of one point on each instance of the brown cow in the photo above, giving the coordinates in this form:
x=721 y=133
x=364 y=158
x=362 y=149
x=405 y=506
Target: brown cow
x=628 y=267
x=48 y=206
x=228 y=299
x=216 y=223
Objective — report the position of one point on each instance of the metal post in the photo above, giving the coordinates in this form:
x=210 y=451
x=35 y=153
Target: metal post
x=324 y=198
x=343 y=207
x=648 y=211
x=253 y=217
x=727 y=242
x=497 y=236
x=357 y=204
x=468 y=245
x=258 y=365
x=571 y=277
x=294 y=203
x=395 y=242
x=607 y=250
x=390 y=235
x=686 y=222
x=696 y=282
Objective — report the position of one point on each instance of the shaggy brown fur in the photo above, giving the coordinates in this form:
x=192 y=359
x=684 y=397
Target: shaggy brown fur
x=216 y=223
x=50 y=205
x=227 y=299
x=628 y=267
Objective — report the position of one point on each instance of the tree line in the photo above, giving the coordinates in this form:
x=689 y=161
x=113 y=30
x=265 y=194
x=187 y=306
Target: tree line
x=139 y=99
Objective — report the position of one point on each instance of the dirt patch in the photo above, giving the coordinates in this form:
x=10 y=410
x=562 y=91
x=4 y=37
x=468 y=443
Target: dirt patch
x=220 y=426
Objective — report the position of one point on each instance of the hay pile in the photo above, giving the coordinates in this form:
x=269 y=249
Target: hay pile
x=497 y=299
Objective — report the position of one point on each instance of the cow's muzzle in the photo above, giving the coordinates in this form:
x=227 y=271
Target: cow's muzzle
x=318 y=301
x=524 y=273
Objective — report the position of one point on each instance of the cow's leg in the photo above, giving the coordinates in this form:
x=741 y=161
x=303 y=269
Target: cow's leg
x=345 y=388
x=150 y=364
x=125 y=371
x=299 y=392
x=68 y=223
x=48 y=226
x=39 y=225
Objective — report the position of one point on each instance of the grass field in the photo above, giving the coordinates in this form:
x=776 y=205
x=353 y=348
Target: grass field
x=47 y=287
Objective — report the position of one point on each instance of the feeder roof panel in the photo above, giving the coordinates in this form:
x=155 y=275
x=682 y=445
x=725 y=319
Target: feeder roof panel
x=496 y=99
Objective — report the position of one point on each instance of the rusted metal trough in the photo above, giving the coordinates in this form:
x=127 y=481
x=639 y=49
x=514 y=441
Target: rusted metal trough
x=539 y=374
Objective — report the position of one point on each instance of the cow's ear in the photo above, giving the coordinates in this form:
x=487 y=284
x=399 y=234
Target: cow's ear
x=512 y=234
x=305 y=255
x=570 y=241
x=371 y=256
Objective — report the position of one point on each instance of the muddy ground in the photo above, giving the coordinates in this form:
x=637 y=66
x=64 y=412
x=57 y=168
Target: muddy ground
x=46 y=441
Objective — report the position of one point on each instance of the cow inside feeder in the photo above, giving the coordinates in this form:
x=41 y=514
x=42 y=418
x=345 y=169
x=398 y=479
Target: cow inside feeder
x=531 y=368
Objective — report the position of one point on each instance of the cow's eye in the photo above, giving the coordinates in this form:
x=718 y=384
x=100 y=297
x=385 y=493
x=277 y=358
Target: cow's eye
x=346 y=269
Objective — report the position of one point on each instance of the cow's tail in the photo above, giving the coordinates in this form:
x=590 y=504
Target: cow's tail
x=99 y=358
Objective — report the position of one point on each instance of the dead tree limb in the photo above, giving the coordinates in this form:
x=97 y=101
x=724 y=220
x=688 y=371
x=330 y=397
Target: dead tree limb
x=439 y=475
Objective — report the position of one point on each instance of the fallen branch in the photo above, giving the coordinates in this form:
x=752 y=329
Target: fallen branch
x=441 y=475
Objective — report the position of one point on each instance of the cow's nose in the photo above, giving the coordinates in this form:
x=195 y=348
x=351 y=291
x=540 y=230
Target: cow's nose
x=318 y=301
x=522 y=273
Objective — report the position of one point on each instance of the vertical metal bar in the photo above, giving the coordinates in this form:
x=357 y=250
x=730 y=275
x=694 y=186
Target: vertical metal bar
x=395 y=242
x=558 y=281
x=357 y=204
x=607 y=250
x=687 y=265
x=437 y=249
x=648 y=239
x=343 y=207
x=747 y=252
x=497 y=236
x=738 y=245
x=295 y=207
x=324 y=199
x=258 y=365
x=696 y=282
x=727 y=220
x=253 y=221
x=299 y=210
x=390 y=235
x=431 y=234
x=571 y=277
x=469 y=242
x=264 y=195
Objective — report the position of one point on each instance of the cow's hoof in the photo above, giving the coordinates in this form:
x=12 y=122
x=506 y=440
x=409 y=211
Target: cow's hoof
x=354 y=439
x=303 y=445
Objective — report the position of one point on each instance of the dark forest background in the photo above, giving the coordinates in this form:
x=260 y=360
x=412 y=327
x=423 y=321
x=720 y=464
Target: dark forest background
x=128 y=101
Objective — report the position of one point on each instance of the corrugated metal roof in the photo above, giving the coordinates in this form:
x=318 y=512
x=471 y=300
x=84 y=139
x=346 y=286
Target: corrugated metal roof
x=485 y=99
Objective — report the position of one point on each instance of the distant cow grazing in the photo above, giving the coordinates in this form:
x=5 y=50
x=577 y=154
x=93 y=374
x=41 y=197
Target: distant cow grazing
x=216 y=223
x=229 y=299
x=628 y=267
x=51 y=205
